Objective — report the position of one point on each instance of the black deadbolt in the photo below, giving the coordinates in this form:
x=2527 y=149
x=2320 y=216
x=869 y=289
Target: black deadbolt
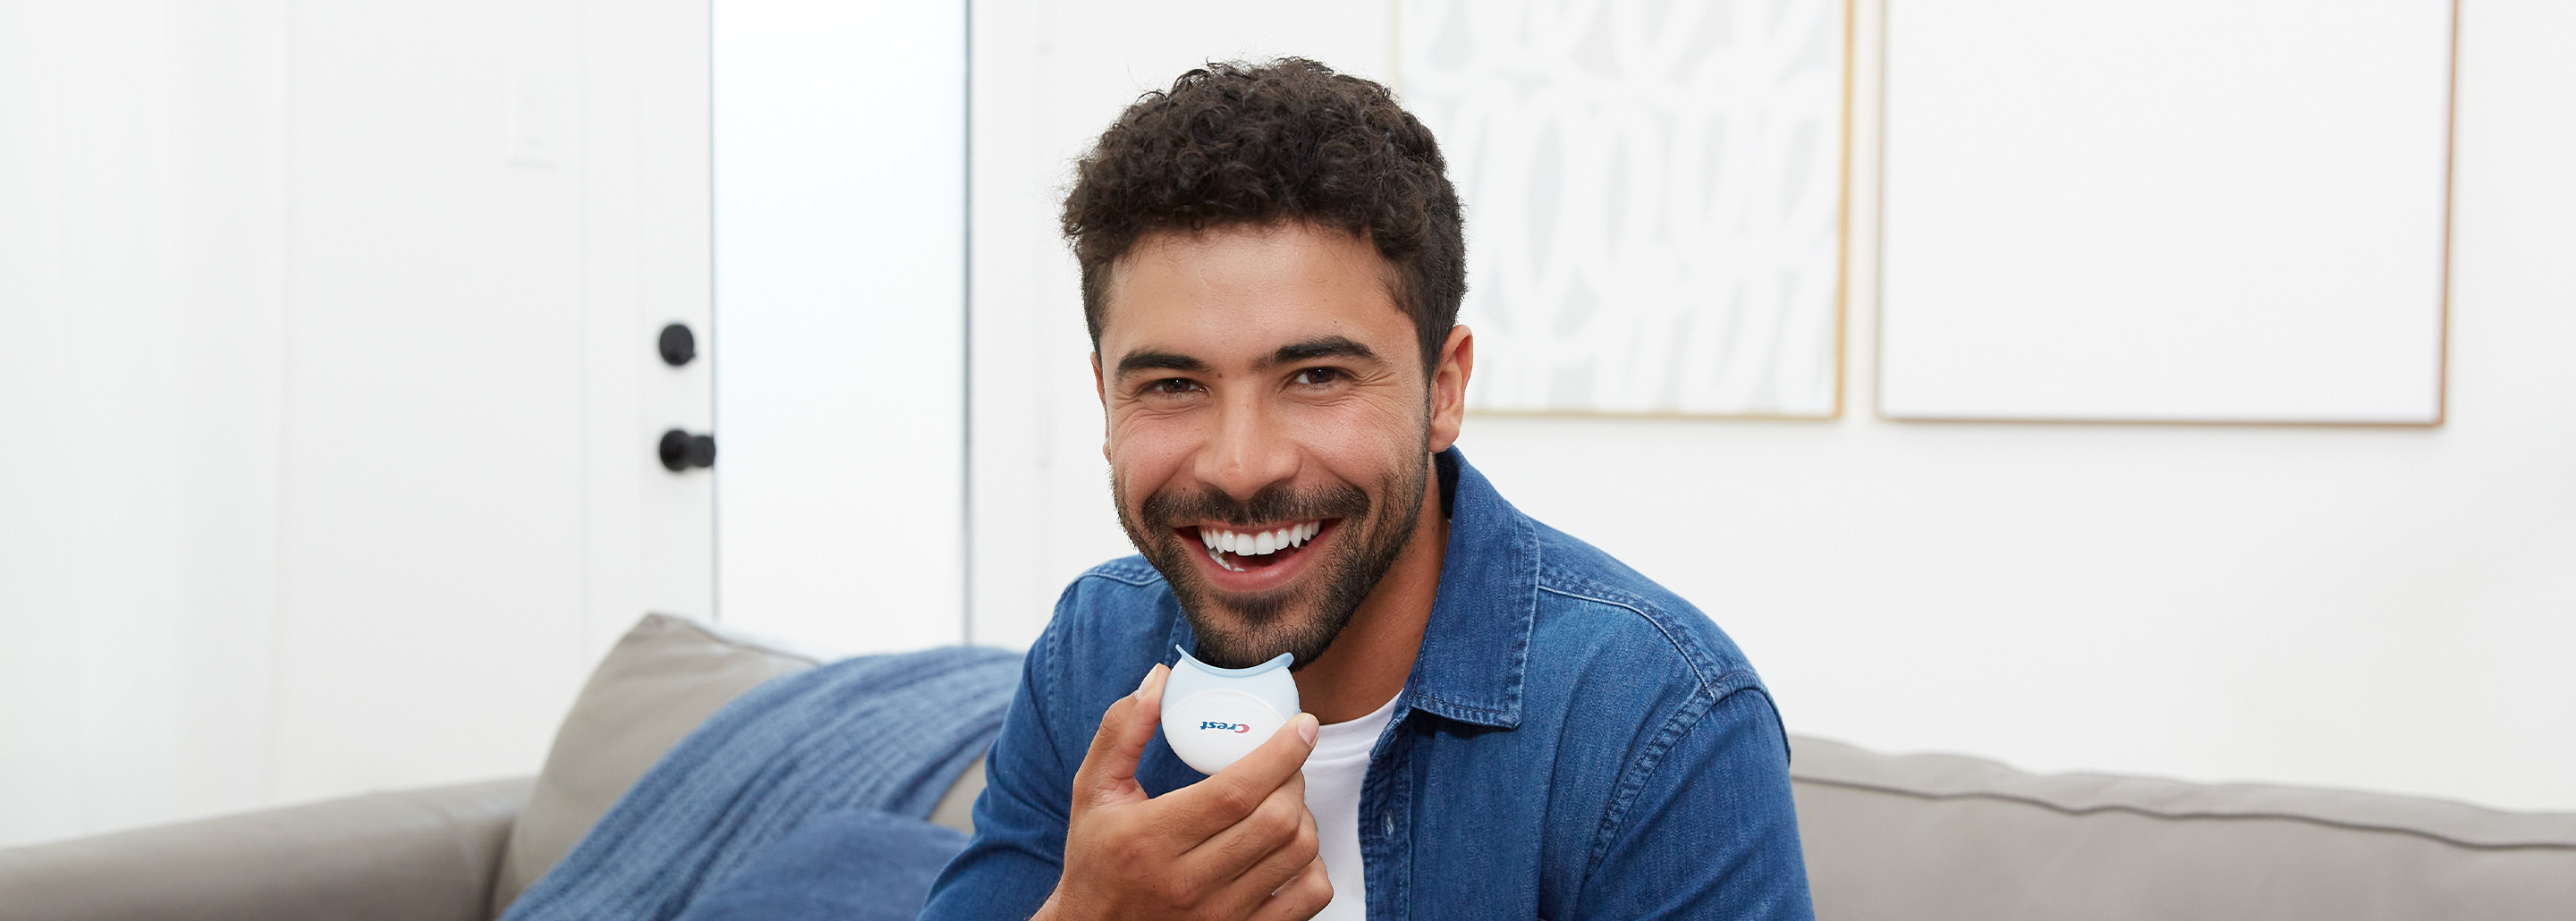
x=678 y=345
x=681 y=450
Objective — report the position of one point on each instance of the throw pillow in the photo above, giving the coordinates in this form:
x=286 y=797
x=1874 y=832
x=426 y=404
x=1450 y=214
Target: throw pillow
x=662 y=679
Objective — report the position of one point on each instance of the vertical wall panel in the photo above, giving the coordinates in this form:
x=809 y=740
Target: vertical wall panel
x=839 y=228
x=434 y=461
x=140 y=247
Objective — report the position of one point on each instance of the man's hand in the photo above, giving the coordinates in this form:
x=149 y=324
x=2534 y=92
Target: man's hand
x=1239 y=844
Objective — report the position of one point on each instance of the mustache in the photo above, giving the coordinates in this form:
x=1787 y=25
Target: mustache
x=1165 y=510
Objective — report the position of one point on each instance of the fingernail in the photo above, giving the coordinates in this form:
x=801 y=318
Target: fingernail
x=1306 y=727
x=1150 y=674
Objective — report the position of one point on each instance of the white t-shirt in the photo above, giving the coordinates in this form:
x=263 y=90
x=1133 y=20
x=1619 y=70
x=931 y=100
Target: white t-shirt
x=1333 y=776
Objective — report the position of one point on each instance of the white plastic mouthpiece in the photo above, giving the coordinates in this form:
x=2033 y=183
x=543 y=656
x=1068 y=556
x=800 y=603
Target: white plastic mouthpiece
x=1213 y=716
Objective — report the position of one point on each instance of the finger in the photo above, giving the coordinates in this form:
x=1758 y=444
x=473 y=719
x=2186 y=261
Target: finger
x=1110 y=767
x=1279 y=869
x=1300 y=899
x=1233 y=793
x=1283 y=864
x=1267 y=846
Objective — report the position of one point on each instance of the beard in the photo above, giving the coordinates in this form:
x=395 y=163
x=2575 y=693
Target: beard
x=1243 y=630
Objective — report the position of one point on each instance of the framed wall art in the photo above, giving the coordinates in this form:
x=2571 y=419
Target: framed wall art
x=1654 y=196
x=2198 y=211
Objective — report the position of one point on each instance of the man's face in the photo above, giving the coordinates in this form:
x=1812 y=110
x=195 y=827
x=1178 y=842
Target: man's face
x=1269 y=429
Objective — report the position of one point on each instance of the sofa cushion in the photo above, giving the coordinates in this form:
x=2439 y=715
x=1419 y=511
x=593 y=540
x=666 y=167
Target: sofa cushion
x=660 y=681
x=1940 y=836
x=423 y=855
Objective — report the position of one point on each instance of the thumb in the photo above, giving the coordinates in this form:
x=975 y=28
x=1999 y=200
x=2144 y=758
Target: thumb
x=1108 y=772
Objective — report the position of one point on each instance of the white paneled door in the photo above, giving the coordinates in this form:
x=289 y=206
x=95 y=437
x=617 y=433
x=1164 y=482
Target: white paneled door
x=491 y=212
x=339 y=326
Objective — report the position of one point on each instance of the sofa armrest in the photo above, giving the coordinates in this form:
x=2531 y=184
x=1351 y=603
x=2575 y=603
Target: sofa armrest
x=425 y=855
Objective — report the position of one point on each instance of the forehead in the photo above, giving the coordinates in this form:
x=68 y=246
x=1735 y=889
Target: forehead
x=1239 y=292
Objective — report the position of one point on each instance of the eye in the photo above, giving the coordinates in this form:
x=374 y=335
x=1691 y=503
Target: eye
x=1171 y=386
x=1317 y=377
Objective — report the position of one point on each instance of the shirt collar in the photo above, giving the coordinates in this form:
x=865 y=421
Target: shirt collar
x=1476 y=646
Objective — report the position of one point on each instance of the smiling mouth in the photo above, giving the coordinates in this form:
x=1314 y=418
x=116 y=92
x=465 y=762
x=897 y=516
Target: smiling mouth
x=1246 y=550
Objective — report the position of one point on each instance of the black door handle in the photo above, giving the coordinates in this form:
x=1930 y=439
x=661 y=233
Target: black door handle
x=681 y=450
x=677 y=345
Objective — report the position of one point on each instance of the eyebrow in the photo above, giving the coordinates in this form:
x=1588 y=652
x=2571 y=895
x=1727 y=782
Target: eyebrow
x=1318 y=347
x=1292 y=353
x=1158 y=361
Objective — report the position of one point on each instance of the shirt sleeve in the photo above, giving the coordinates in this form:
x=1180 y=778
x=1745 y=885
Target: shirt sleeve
x=1711 y=832
x=1017 y=854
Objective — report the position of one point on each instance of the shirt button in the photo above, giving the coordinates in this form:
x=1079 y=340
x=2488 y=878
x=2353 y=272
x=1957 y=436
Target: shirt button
x=1389 y=824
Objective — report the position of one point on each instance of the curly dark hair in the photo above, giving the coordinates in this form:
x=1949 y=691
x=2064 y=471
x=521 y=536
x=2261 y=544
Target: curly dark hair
x=1291 y=140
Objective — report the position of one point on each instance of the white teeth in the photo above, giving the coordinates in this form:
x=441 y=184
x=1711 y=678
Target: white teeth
x=1259 y=543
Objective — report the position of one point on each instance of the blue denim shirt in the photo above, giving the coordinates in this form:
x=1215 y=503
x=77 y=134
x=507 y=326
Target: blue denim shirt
x=1574 y=742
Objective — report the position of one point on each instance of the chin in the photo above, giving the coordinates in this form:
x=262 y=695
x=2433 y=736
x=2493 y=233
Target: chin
x=1241 y=636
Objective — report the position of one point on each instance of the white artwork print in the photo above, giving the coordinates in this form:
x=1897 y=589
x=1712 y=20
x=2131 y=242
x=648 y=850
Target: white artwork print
x=1653 y=198
x=2230 y=211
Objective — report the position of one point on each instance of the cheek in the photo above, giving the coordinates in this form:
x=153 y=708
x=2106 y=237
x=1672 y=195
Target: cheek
x=1147 y=451
x=1359 y=447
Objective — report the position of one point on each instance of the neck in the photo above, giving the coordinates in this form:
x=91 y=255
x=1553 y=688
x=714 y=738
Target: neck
x=1369 y=660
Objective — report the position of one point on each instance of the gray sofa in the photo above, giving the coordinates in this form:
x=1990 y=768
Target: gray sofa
x=1910 y=837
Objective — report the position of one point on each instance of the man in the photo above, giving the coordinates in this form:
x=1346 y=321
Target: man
x=1502 y=722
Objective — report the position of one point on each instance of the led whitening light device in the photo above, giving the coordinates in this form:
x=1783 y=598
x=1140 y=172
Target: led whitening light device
x=1213 y=716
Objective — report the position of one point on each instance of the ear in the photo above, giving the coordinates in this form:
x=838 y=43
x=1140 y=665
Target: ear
x=1100 y=388
x=1449 y=387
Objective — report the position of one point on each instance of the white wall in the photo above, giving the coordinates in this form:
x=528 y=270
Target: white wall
x=140 y=214
x=2386 y=609
x=329 y=422
x=840 y=157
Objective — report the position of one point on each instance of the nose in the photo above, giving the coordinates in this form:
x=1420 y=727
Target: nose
x=1247 y=452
